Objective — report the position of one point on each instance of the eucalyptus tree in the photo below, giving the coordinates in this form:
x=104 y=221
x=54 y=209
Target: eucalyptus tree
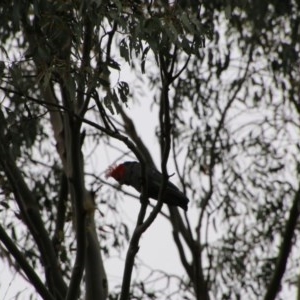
x=224 y=81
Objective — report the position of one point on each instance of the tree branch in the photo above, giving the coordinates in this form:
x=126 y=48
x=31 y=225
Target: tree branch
x=141 y=226
x=31 y=215
x=131 y=131
x=25 y=267
x=284 y=250
x=61 y=212
x=239 y=85
x=85 y=63
x=95 y=276
x=185 y=263
x=75 y=175
x=298 y=288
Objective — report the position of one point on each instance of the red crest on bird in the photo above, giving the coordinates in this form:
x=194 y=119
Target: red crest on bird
x=116 y=172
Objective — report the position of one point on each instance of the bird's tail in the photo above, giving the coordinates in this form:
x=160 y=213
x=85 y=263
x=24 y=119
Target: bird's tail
x=176 y=198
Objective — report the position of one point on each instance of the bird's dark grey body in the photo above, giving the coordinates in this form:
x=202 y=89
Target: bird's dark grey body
x=173 y=196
